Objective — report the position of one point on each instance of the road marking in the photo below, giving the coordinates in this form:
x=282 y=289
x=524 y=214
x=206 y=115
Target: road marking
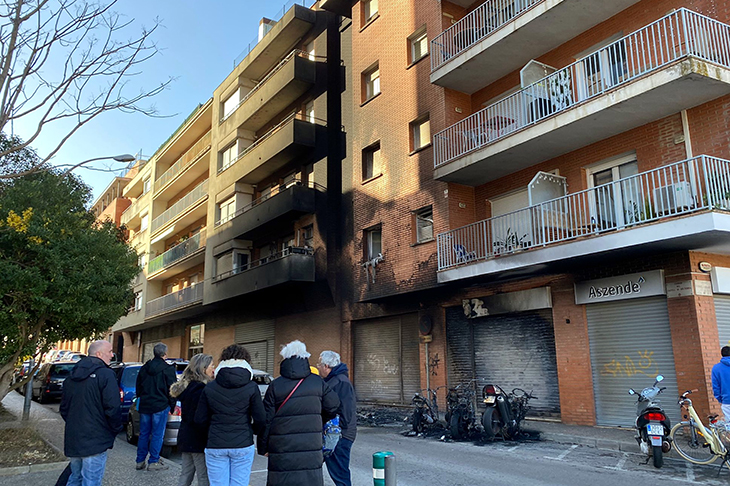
x=564 y=454
x=260 y=471
x=512 y=449
x=620 y=465
x=690 y=472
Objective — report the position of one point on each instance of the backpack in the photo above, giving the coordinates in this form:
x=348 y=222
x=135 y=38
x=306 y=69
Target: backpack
x=331 y=433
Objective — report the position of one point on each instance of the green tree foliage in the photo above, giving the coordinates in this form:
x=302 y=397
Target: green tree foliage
x=65 y=275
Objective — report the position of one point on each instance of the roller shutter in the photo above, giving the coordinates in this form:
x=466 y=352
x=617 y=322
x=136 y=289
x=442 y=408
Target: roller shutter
x=630 y=343
x=387 y=359
x=722 y=312
x=514 y=350
x=258 y=338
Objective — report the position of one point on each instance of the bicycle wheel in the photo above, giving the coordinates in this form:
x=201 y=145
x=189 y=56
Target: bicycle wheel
x=417 y=421
x=691 y=444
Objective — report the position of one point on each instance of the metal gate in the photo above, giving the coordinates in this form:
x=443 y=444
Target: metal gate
x=722 y=313
x=514 y=350
x=630 y=343
x=148 y=351
x=387 y=368
x=258 y=339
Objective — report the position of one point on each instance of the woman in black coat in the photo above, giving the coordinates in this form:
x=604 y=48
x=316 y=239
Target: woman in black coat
x=192 y=438
x=293 y=436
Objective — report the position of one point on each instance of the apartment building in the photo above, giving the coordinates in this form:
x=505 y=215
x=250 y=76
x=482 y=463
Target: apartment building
x=233 y=216
x=538 y=196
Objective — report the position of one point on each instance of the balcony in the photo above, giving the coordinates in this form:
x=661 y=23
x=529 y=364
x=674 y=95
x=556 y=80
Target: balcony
x=130 y=216
x=174 y=301
x=185 y=255
x=665 y=209
x=676 y=63
x=501 y=36
x=188 y=208
x=260 y=56
x=278 y=147
x=286 y=267
x=285 y=84
x=186 y=169
x=138 y=239
x=274 y=210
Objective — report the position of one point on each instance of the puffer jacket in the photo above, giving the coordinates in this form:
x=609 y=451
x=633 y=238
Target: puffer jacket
x=339 y=381
x=293 y=436
x=191 y=437
x=153 y=386
x=231 y=407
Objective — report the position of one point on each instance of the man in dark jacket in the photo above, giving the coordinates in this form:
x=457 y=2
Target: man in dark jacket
x=294 y=427
x=154 y=403
x=335 y=374
x=91 y=408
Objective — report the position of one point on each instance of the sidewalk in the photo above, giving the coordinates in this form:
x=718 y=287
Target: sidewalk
x=120 y=462
x=613 y=438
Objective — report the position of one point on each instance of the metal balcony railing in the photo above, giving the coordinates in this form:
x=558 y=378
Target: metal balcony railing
x=137 y=238
x=475 y=26
x=292 y=250
x=175 y=300
x=679 y=34
x=134 y=208
x=697 y=184
x=177 y=253
x=181 y=206
x=294 y=181
x=186 y=160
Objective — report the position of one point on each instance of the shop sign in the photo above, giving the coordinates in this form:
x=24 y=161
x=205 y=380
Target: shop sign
x=520 y=301
x=720 y=280
x=632 y=286
x=705 y=267
x=679 y=289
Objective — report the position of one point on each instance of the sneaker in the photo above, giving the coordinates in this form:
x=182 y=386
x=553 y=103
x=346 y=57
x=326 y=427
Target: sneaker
x=141 y=465
x=157 y=466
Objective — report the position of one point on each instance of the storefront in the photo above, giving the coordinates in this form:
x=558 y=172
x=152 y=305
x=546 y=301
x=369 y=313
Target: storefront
x=386 y=357
x=630 y=343
x=721 y=294
x=258 y=339
x=508 y=340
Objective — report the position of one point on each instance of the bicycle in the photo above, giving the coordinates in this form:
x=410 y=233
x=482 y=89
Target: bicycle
x=696 y=443
x=426 y=410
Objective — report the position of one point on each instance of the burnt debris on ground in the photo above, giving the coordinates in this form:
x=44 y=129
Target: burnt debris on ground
x=375 y=416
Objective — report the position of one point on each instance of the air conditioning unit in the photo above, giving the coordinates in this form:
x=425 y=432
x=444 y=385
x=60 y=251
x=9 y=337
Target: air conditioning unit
x=673 y=198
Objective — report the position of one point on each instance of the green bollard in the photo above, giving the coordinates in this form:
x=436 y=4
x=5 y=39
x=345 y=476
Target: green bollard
x=379 y=467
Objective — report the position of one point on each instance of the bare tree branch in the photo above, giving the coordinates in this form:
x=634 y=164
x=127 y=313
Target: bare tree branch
x=68 y=60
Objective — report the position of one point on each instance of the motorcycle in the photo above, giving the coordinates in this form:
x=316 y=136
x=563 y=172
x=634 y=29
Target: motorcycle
x=460 y=416
x=652 y=424
x=425 y=411
x=505 y=411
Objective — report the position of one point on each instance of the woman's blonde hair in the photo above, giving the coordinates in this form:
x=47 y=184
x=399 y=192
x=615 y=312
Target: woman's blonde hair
x=195 y=371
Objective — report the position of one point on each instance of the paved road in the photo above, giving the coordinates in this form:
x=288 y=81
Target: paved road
x=428 y=461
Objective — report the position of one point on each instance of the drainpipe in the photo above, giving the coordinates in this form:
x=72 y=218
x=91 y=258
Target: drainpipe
x=685 y=132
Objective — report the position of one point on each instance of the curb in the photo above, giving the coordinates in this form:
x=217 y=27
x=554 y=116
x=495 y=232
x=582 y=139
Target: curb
x=605 y=444
x=18 y=470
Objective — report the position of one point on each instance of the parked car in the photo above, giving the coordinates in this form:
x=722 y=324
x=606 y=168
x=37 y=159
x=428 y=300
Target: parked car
x=127 y=380
x=75 y=357
x=171 y=430
x=20 y=373
x=61 y=355
x=262 y=379
x=48 y=381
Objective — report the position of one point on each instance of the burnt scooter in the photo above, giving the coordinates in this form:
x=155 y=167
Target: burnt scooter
x=504 y=412
x=652 y=424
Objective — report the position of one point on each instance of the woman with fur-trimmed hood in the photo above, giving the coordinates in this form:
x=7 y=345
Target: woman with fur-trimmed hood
x=231 y=407
x=297 y=404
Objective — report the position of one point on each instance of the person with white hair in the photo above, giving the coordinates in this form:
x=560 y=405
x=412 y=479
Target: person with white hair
x=91 y=409
x=335 y=374
x=297 y=404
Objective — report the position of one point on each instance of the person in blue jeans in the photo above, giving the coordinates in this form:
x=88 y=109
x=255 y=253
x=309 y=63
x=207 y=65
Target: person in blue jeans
x=154 y=404
x=92 y=411
x=232 y=409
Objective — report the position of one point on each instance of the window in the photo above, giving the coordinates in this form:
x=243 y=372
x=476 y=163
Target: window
x=145 y=223
x=424 y=224
x=371 y=83
x=226 y=210
x=371 y=162
x=308 y=236
x=373 y=243
x=309 y=112
x=420 y=133
x=228 y=156
x=142 y=259
x=147 y=186
x=231 y=103
x=418 y=43
x=369 y=10
x=197 y=337
x=240 y=261
x=309 y=49
x=138 y=301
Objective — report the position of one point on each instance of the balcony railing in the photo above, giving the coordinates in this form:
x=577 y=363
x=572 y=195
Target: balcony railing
x=137 y=238
x=475 y=26
x=697 y=184
x=263 y=261
x=294 y=181
x=134 y=208
x=181 y=206
x=185 y=161
x=175 y=300
x=177 y=253
x=670 y=38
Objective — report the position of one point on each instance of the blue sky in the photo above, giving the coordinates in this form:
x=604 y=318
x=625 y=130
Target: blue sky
x=198 y=43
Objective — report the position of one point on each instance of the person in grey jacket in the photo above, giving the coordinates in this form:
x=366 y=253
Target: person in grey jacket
x=335 y=374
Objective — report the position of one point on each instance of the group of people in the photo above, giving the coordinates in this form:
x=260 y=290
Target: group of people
x=222 y=410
